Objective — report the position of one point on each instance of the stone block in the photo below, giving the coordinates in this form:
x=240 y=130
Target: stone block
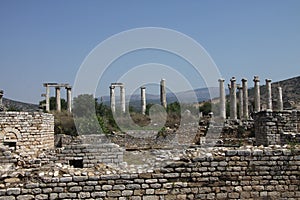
x=7 y=198
x=25 y=197
x=13 y=191
x=98 y=194
x=127 y=193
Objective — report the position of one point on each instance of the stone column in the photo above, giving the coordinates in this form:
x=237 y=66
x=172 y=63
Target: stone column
x=163 y=97
x=233 y=112
x=58 y=101
x=69 y=99
x=123 y=101
x=280 y=101
x=47 y=98
x=222 y=99
x=241 y=101
x=143 y=99
x=256 y=94
x=269 y=94
x=1 y=96
x=245 y=98
x=112 y=99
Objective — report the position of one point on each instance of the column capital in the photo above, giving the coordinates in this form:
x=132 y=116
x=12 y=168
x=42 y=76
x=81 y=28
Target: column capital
x=256 y=79
x=143 y=87
x=244 y=80
x=233 y=79
x=221 y=80
x=268 y=80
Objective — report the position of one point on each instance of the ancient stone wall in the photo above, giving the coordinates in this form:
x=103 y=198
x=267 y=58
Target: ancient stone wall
x=270 y=127
x=263 y=173
x=27 y=132
x=89 y=151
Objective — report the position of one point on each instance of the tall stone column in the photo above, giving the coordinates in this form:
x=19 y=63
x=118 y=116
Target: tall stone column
x=233 y=113
x=112 y=99
x=143 y=99
x=47 y=98
x=245 y=98
x=1 y=96
x=69 y=99
x=163 y=97
x=241 y=101
x=222 y=99
x=256 y=94
x=269 y=94
x=280 y=101
x=58 y=101
x=123 y=101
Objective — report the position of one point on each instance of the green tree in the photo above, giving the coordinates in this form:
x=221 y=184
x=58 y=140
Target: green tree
x=205 y=108
x=52 y=103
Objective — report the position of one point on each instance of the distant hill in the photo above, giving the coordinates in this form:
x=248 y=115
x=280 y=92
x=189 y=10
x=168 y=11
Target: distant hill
x=290 y=93
x=19 y=106
x=202 y=94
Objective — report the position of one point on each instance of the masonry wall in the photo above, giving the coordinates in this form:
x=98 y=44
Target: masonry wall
x=238 y=174
x=276 y=127
x=30 y=131
x=91 y=150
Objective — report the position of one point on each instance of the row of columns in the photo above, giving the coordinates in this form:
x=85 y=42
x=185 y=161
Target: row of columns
x=163 y=97
x=58 y=96
x=243 y=97
x=113 y=98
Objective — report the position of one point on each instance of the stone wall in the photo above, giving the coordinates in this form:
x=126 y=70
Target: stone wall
x=89 y=151
x=27 y=132
x=261 y=173
x=271 y=126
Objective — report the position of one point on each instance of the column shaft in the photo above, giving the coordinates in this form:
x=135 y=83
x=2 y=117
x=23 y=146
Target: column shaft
x=47 y=98
x=69 y=99
x=1 y=96
x=269 y=94
x=143 y=100
x=280 y=101
x=233 y=113
x=256 y=94
x=58 y=101
x=245 y=99
x=163 y=97
x=112 y=99
x=241 y=102
x=222 y=99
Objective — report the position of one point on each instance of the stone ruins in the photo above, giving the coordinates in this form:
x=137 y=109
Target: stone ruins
x=163 y=97
x=57 y=96
x=36 y=165
x=113 y=98
x=1 y=96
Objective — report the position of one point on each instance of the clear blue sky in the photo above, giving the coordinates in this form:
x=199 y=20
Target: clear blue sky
x=46 y=41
